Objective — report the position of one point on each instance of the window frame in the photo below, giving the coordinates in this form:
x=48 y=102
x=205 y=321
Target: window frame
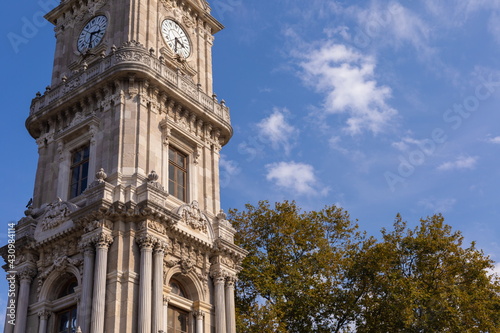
x=73 y=317
x=80 y=166
x=172 y=176
x=174 y=328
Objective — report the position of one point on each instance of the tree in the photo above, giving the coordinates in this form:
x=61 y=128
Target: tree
x=424 y=280
x=316 y=272
x=293 y=279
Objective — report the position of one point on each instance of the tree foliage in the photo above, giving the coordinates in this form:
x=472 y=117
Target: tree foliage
x=294 y=275
x=316 y=272
x=424 y=280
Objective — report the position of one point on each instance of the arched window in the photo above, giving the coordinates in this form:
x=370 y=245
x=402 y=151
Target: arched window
x=66 y=317
x=178 y=320
x=176 y=289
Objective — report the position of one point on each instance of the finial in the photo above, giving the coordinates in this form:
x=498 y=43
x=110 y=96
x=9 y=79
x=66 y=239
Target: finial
x=101 y=175
x=153 y=176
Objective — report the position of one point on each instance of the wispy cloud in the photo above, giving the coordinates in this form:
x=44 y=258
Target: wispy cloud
x=278 y=131
x=297 y=177
x=334 y=143
x=437 y=205
x=229 y=169
x=347 y=78
x=461 y=163
x=495 y=140
x=393 y=23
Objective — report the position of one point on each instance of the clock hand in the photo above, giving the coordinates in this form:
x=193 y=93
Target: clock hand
x=177 y=41
x=92 y=36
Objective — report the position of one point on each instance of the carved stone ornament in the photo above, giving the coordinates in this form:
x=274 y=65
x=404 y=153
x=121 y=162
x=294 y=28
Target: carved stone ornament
x=45 y=314
x=101 y=175
x=153 y=225
x=93 y=8
x=102 y=240
x=60 y=265
x=153 y=180
x=193 y=216
x=186 y=265
x=27 y=273
x=56 y=214
x=146 y=241
x=168 y=6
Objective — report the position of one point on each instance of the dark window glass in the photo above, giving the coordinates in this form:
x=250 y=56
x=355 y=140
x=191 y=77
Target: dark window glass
x=79 y=171
x=68 y=288
x=177 y=320
x=66 y=320
x=177 y=289
x=177 y=174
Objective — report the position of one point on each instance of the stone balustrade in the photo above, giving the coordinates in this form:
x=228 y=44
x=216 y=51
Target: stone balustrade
x=129 y=54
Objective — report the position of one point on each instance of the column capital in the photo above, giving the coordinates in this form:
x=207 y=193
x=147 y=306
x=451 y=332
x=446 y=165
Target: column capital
x=198 y=314
x=102 y=240
x=27 y=274
x=166 y=299
x=87 y=247
x=160 y=247
x=231 y=280
x=44 y=314
x=218 y=275
x=146 y=242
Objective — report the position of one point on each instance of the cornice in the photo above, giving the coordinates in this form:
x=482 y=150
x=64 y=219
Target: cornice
x=132 y=57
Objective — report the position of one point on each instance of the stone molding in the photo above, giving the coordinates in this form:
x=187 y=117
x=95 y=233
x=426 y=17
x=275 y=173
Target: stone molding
x=130 y=53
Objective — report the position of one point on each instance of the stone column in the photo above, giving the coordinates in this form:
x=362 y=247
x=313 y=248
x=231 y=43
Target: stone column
x=157 y=322
x=230 y=311
x=199 y=315
x=103 y=242
x=146 y=244
x=85 y=308
x=44 y=317
x=220 y=307
x=26 y=275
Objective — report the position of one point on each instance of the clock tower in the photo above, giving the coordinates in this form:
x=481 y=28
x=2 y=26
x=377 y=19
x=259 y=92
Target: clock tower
x=125 y=233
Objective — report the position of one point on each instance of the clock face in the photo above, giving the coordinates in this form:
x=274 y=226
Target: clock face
x=176 y=38
x=92 y=33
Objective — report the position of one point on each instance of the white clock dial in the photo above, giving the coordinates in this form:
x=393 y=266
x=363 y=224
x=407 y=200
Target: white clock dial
x=176 y=38
x=92 y=33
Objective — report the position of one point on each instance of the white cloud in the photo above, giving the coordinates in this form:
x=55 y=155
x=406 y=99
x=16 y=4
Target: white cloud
x=228 y=171
x=495 y=270
x=229 y=166
x=383 y=19
x=347 y=78
x=495 y=140
x=494 y=26
x=455 y=13
x=334 y=143
x=407 y=142
x=461 y=163
x=297 y=177
x=437 y=206
x=277 y=130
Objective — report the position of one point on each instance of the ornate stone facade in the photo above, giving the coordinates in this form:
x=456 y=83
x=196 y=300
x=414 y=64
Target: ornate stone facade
x=121 y=251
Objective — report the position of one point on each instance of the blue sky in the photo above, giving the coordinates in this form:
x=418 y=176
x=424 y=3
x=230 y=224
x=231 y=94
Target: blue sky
x=381 y=107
